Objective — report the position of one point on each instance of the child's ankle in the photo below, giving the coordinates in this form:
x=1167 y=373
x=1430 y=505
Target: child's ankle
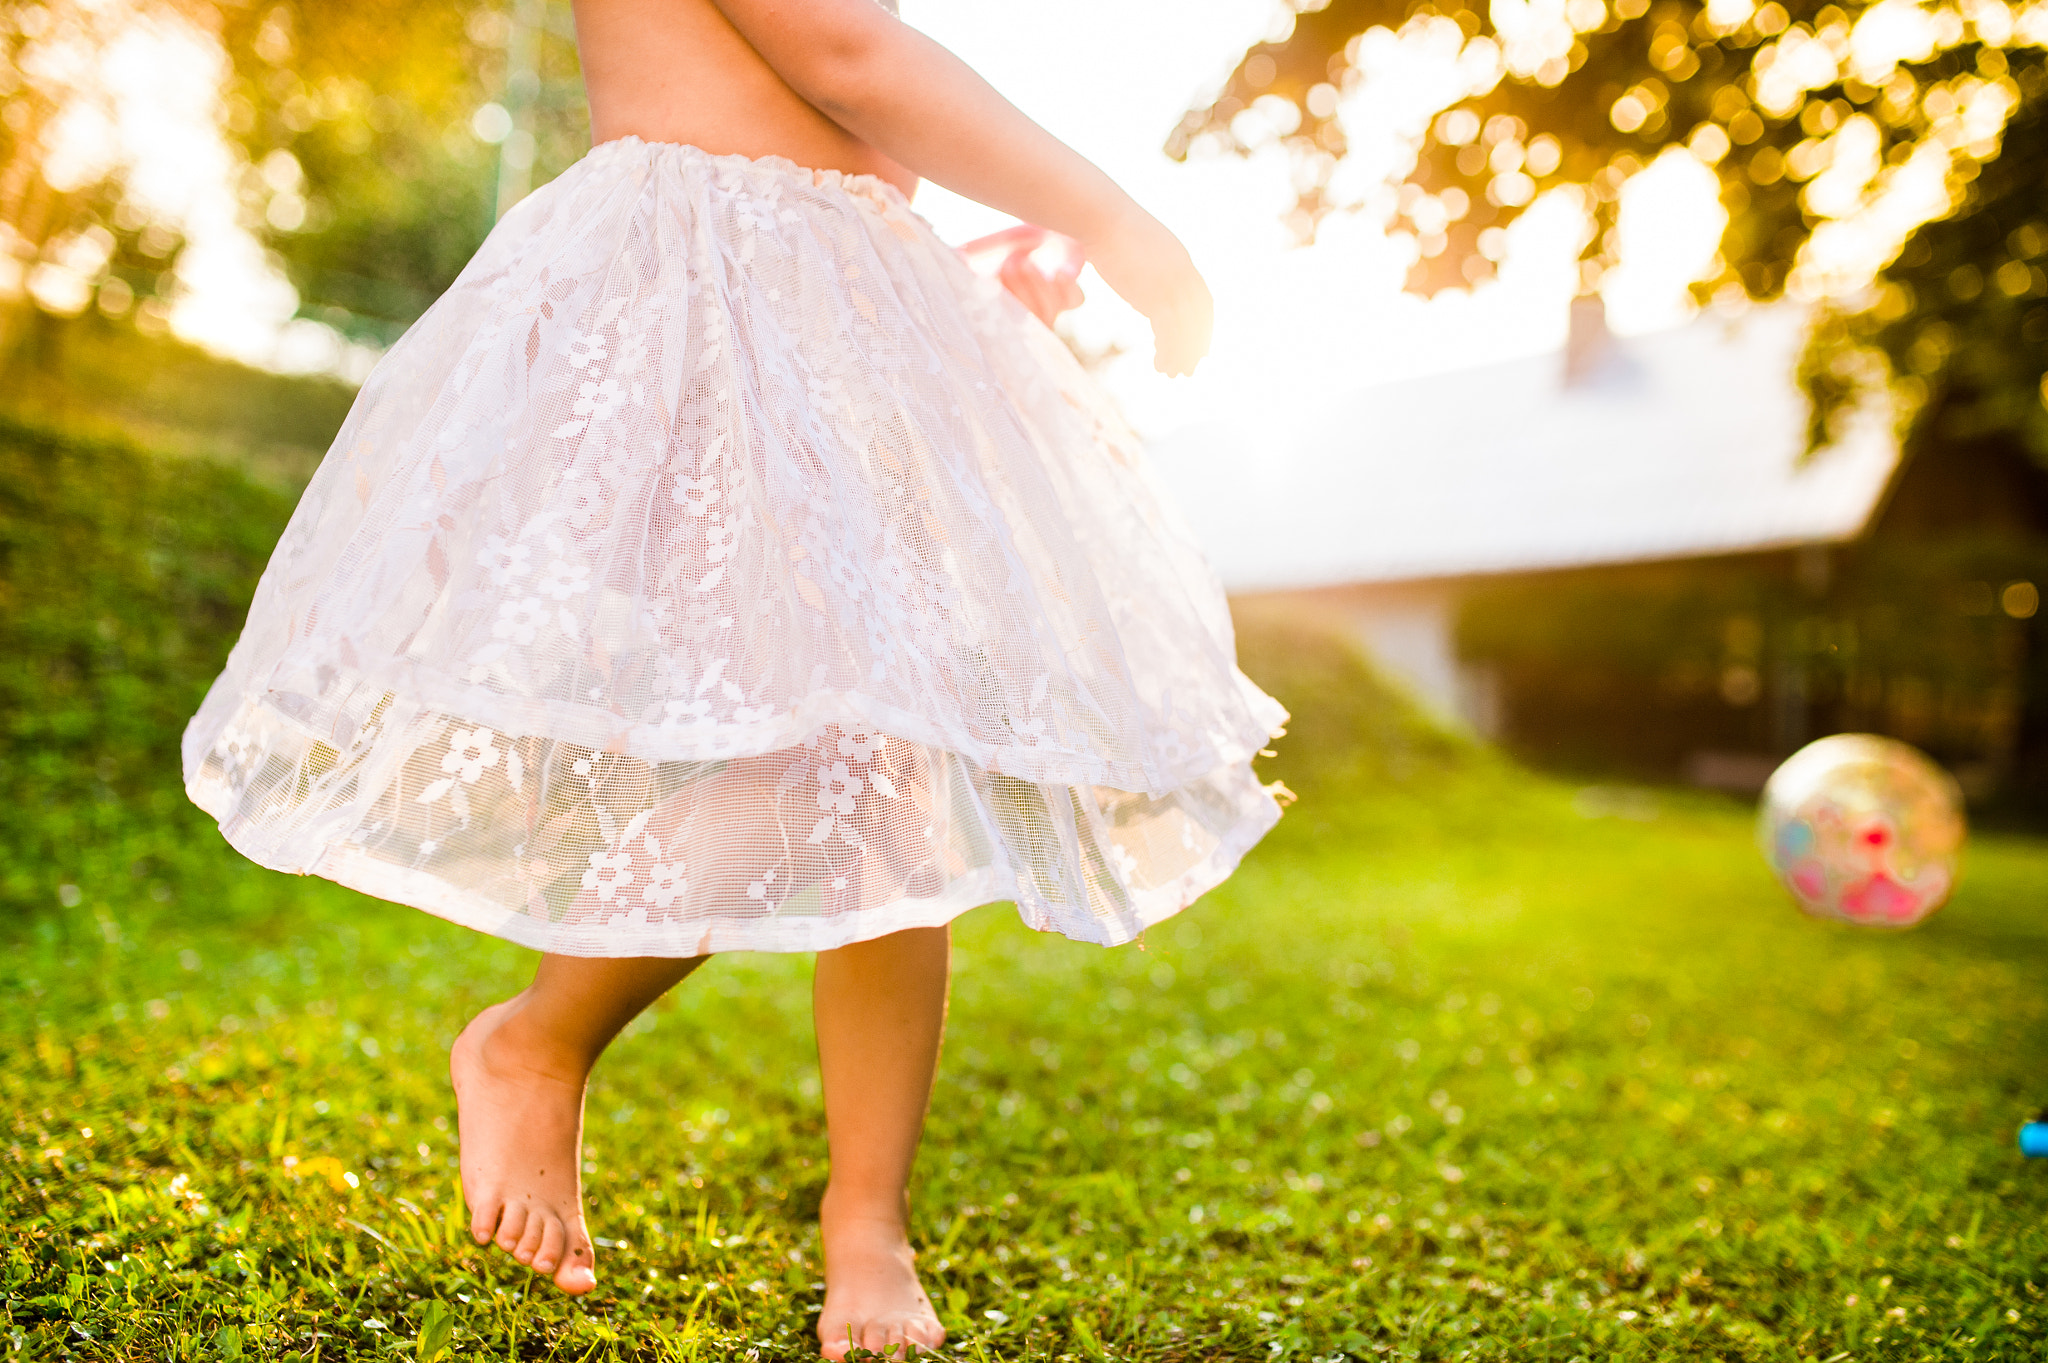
x=517 y=1043
x=849 y=1206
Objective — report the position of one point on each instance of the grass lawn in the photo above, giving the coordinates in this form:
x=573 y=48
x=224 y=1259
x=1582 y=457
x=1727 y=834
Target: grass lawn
x=1456 y=1066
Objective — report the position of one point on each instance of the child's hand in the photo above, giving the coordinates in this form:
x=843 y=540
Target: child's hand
x=1012 y=256
x=1151 y=270
x=1046 y=295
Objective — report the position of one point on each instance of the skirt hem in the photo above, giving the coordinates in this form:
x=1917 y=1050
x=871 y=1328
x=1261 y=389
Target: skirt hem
x=604 y=731
x=431 y=894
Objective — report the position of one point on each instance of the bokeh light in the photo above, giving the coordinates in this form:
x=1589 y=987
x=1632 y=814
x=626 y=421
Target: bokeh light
x=139 y=90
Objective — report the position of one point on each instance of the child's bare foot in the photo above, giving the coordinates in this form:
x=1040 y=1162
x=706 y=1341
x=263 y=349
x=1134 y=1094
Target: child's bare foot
x=521 y=1124
x=872 y=1296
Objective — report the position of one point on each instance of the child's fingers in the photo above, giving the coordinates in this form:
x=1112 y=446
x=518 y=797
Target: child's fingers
x=1178 y=346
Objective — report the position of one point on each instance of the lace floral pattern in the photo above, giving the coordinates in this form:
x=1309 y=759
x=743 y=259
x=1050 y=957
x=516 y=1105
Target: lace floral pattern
x=721 y=564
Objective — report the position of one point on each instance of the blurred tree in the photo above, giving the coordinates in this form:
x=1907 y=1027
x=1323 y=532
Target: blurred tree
x=380 y=132
x=53 y=197
x=367 y=142
x=368 y=182
x=1848 y=138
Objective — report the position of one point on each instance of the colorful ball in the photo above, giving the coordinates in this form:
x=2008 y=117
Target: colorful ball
x=1863 y=829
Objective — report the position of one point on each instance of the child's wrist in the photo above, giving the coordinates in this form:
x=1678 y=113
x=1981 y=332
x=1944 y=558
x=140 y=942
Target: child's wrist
x=1116 y=222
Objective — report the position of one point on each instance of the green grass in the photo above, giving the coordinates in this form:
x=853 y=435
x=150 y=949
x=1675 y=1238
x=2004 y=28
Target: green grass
x=1448 y=1070
x=123 y=580
x=89 y=373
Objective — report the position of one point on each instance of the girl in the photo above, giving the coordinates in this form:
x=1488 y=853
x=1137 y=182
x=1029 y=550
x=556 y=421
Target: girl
x=722 y=565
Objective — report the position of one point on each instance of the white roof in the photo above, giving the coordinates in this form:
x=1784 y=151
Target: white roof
x=1684 y=443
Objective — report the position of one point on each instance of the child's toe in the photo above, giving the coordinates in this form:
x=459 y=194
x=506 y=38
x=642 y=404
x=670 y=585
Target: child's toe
x=483 y=1218
x=511 y=1226
x=553 y=1240
x=531 y=1237
x=579 y=1264
x=577 y=1276
x=850 y=1335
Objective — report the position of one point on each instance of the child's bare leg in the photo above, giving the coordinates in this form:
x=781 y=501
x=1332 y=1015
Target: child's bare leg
x=519 y=1070
x=881 y=1008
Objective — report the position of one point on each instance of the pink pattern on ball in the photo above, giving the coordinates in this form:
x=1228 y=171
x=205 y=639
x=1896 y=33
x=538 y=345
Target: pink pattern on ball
x=1881 y=899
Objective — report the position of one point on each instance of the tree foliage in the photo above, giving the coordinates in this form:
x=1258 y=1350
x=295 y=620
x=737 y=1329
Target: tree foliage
x=358 y=115
x=49 y=85
x=358 y=162
x=1835 y=130
x=354 y=115
x=1959 y=315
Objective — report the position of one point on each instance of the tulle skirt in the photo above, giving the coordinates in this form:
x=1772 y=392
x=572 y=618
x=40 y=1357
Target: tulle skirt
x=722 y=565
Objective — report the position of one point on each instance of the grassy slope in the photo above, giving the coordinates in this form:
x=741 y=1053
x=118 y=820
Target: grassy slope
x=1446 y=1070
x=88 y=373
x=123 y=579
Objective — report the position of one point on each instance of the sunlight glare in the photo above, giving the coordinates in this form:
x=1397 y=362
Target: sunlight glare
x=1669 y=231
x=138 y=96
x=1890 y=32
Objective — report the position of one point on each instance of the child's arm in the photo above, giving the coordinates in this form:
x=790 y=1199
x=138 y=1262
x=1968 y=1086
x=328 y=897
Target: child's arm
x=899 y=91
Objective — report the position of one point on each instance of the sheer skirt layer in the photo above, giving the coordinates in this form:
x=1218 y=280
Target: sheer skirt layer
x=721 y=565
x=852 y=835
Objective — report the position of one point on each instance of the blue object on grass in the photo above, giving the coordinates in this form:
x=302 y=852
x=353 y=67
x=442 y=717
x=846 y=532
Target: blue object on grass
x=2034 y=1140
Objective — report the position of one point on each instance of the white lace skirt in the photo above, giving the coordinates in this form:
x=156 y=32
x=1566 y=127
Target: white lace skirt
x=722 y=565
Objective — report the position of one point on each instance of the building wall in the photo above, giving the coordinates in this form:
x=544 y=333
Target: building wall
x=1711 y=671
x=1409 y=631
